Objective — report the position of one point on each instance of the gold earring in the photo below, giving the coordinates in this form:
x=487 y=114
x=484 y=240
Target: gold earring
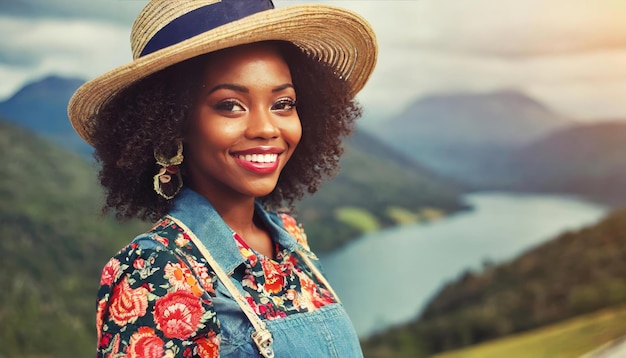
x=168 y=181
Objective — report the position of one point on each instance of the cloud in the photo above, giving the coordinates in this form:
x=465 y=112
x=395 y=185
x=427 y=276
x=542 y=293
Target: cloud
x=408 y=75
x=568 y=53
x=507 y=28
x=42 y=46
x=121 y=11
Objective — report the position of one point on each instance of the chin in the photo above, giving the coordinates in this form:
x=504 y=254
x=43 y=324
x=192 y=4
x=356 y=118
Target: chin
x=262 y=190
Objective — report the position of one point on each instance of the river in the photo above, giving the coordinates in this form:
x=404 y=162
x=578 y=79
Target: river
x=385 y=278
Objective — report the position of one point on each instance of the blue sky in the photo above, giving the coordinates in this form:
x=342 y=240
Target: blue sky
x=569 y=54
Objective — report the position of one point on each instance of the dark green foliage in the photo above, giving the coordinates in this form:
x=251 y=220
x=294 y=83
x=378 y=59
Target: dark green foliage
x=54 y=245
x=576 y=273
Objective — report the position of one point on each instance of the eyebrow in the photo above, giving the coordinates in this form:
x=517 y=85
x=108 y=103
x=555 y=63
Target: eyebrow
x=243 y=89
x=282 y=87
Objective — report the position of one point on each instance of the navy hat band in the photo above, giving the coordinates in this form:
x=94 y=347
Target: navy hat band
x=203 y=19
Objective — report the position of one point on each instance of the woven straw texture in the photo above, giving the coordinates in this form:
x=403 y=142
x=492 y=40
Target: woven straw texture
x=329 y=34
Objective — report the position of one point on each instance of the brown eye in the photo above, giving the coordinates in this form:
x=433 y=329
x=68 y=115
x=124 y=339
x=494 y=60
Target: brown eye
x=284 y=104
x=229 y=106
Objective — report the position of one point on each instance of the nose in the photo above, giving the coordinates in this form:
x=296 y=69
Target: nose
x=262 y=124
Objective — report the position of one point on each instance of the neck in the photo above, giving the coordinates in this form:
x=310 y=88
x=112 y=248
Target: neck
x=237 y=211
x=238 y=216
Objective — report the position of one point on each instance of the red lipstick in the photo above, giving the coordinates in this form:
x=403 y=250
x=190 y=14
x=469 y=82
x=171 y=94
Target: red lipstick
x=259 y=160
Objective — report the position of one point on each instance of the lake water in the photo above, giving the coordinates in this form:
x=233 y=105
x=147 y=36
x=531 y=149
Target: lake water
x=386 y=278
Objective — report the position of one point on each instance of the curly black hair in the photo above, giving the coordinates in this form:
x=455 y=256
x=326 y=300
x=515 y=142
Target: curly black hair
x=153 y=113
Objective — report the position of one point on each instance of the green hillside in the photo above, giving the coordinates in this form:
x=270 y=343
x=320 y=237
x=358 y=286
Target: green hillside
x=54 y=245
x=575 y=337
x=576 y=273
x=376 y=188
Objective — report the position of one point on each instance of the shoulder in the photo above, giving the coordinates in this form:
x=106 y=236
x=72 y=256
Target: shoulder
x=142 y=283
x=164 y=246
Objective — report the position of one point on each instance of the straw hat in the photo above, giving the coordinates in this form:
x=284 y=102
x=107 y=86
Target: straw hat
x=170 y=31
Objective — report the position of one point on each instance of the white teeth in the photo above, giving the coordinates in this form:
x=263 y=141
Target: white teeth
x=259 y=158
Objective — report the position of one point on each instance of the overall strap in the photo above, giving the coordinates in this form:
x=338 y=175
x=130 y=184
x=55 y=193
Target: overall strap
x=262 y=337
x=318 y=274
x=295 y=230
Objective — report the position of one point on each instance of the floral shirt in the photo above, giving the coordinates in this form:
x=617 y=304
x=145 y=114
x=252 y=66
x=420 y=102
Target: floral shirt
x=156 y=295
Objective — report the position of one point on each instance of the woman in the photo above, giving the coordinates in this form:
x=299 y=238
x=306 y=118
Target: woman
x=229 y=110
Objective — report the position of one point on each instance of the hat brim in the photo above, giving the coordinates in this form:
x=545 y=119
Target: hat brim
x=338 y=37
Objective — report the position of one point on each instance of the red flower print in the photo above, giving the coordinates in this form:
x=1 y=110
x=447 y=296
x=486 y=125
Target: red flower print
x=292 y=295
x=127 y=304
x=320 y=300
x=269 y=312
x=116 y=346
x=139 y=263
x=208 y=347
x=252 y=304
x=274 y=279
x=104 y=339
x=202 y=272
x=181 y=240
x=245 y=249
x=178 y=314
x=110 y=272
x=249 y=281
x=100 y=317
x=180 y=278
x=291 y=225
x=161 y=239
x=312 y=293
x=145 y=344
x=188 y=353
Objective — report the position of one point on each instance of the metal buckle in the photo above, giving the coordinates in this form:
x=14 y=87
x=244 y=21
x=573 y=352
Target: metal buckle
x=263 y=340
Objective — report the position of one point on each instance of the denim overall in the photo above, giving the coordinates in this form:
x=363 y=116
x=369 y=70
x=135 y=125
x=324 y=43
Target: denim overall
x=325 y=332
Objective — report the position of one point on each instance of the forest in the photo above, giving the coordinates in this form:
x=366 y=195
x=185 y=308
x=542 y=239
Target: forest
x=576 y=273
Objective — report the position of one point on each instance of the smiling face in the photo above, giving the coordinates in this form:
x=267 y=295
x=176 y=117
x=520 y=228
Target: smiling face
x=244 y=126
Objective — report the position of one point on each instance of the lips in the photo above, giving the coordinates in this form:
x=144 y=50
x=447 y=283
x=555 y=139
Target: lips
x=261 y=160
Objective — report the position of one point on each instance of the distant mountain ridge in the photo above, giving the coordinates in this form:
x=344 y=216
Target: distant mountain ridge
x=509 y=141
x=469 y=137
x=506 y=118
x=585 y=159
x=41 y=106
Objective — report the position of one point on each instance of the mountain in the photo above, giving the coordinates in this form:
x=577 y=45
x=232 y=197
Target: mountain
x=586 y=159
x=469 y=136
x=41 y=106
x=576 y=273
x=54 y=245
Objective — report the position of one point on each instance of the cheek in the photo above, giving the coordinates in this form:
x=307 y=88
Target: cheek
x=208 y=134
x=295 y=132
